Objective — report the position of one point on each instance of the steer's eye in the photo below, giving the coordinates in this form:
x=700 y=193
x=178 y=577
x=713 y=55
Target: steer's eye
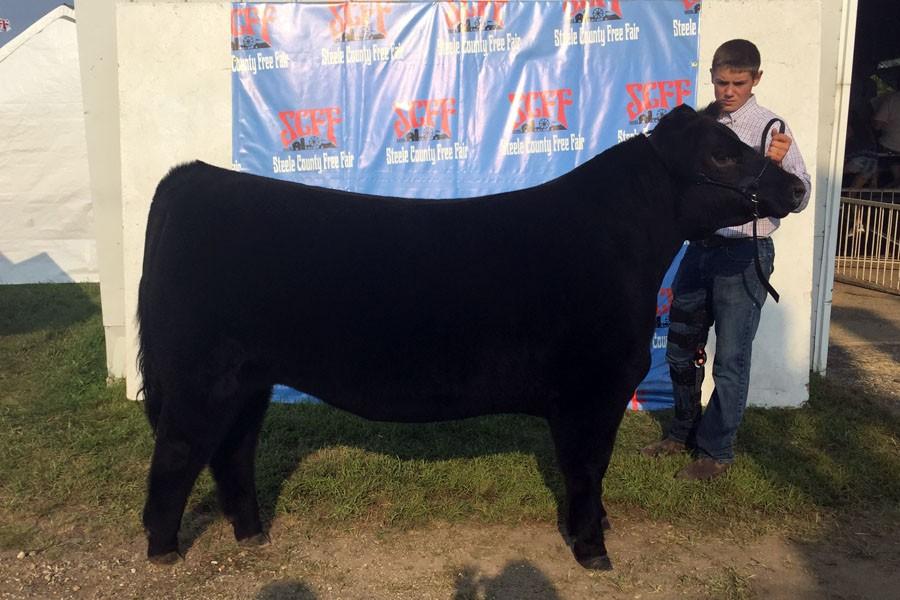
x=722 y=160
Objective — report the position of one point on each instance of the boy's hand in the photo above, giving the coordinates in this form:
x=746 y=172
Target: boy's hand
x=779 y=146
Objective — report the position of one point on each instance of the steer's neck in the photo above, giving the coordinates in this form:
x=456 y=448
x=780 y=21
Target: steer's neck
x=649 y=192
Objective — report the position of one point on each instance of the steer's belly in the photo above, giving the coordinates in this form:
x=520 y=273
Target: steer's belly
x=423 y=408
x=423 y=388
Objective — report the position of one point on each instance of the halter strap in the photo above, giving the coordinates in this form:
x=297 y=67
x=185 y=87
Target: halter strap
x=748 y=190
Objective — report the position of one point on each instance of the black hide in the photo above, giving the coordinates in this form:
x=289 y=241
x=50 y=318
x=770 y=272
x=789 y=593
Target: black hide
x=539 y=301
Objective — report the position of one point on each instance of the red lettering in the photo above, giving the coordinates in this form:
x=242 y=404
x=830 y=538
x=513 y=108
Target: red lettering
x=309 y=122
x=536 y=105
x=338 y=23
x=403 y=124
x=663 y=301
x=268 y=17
x=682 y=90
x=288 y=134
x=429 y=112
x=484 y=10
x=636 y=106
x=562 y=100
x=655 y=94
x=350 y=15
x=246 y=21
x=242 y=21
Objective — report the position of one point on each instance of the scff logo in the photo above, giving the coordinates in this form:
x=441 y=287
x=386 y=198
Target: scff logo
x=663 y=307
x=592 y=10
x=249 y=29
x=544 y=110
x=353 y=21
x=655 y=95
x=663 y=301
x=691 y=7
x=422 y=120
x=304 y=128
x=480 y=15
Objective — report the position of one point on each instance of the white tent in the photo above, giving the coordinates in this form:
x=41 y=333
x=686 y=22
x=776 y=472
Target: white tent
x=46 y=220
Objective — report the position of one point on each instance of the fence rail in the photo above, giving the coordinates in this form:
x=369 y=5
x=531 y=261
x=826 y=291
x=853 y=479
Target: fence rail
x=868 y=246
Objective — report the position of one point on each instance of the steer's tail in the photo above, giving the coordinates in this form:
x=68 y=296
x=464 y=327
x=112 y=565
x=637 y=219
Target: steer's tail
x=149 y=308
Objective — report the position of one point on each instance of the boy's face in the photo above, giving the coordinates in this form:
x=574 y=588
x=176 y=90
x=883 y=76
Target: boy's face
x=733 y=88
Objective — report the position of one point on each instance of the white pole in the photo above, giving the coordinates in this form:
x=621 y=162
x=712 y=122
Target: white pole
x=823 y=299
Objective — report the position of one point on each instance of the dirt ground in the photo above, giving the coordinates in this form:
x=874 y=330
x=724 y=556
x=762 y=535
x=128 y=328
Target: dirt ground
x=852 y=560
x=864 y=341
x=459 y=562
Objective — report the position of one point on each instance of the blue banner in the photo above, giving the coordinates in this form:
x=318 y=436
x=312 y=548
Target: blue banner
x=456 y=99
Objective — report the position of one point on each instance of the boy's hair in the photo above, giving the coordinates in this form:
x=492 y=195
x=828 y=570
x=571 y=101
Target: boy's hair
x=738 y=55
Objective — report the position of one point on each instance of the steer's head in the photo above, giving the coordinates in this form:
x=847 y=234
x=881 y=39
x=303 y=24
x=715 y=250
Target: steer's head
x=717 y=176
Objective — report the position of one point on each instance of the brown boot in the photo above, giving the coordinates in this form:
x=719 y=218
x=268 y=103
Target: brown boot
x=703 y=469
x=664 y=447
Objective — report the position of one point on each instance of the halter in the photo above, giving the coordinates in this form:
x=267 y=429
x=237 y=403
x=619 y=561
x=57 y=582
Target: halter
x=748 y=188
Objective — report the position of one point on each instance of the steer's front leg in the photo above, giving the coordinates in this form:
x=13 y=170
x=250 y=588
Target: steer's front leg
x=584 y=440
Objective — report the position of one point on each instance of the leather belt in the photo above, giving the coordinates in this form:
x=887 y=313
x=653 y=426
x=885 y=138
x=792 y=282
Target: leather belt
x=717 y=241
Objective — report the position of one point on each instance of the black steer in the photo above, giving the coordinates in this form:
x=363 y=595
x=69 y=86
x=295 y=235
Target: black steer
x=539 y=301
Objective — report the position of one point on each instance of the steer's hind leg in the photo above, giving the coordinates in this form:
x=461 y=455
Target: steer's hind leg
x=233 y=464
x=178 y=458
x=189 y=430
x=584 y=441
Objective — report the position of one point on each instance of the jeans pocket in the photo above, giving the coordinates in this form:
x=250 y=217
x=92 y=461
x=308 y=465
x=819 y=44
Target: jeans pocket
x=746 y=252
x=742 y=252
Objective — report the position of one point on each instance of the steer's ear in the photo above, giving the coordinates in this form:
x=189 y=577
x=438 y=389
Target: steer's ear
x=683 y=109
x=669 y=136
x=711 y=110
x=681 y=115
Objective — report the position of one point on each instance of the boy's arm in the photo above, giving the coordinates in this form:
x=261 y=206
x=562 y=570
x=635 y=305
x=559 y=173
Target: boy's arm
x=784 y=152
x=778 y=147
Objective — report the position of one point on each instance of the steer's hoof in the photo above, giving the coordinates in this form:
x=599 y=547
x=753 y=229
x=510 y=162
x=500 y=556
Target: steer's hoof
x=604 y=524
x=165 y=559
x=260 y=539
x=597 y=563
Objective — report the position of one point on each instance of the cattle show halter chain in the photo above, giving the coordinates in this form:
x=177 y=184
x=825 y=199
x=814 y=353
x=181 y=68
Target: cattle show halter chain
x=748 y=188
x=755 y=201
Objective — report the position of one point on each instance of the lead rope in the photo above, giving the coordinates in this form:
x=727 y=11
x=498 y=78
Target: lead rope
x=755 y=201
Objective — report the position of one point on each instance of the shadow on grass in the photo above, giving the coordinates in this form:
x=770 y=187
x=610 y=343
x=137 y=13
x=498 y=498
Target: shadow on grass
x=519 y=579
x=288 y=589
x=840 y=450
x=359 y=455
x=46 y=306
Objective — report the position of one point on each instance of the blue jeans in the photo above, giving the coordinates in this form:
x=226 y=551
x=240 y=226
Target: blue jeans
x=715 y=285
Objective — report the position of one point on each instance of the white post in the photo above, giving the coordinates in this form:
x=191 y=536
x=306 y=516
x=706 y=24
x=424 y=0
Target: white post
x=824 y=282
x=96 y=26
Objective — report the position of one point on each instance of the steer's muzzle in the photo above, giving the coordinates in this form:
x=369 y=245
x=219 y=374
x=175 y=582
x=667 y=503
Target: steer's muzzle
x=799 y=191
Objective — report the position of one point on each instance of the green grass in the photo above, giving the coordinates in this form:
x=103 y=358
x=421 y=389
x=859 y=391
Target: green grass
x=725 y=583
x=70 y=444
x=75 y=452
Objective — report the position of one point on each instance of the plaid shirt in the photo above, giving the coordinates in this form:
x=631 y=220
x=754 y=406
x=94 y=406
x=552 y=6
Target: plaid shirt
x=748 y=122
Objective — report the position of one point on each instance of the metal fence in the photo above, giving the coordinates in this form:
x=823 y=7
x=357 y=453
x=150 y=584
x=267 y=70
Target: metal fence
x=868 y=245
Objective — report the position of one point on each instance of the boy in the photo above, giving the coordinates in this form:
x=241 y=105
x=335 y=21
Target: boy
x=717 y=283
